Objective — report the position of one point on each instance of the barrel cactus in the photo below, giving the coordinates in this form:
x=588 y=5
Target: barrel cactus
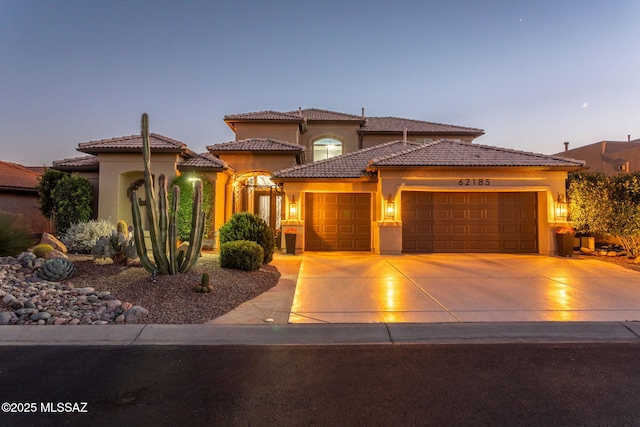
x=57 y=269
x=42 y=250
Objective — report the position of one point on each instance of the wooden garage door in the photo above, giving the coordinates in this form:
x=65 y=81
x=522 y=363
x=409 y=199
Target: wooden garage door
x=337 y=222
x=469 y=222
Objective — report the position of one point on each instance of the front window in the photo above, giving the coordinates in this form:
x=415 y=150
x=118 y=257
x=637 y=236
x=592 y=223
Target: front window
x=326 y=148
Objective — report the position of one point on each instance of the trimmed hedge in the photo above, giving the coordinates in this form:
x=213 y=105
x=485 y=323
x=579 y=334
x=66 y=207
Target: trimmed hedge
x=241 y=255
x=246 y=226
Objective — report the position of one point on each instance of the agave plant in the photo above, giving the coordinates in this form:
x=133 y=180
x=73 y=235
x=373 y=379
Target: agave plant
x=57 y=269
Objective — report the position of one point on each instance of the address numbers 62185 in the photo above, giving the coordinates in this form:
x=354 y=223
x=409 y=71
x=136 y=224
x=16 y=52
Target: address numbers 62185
x=474 y=181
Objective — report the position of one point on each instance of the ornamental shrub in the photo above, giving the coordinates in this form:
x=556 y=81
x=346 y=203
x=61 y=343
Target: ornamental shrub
x=82 y=236
x=246 y=226
x=185 y=182
x=64 y=197
x=15 y=237
x=241 y=255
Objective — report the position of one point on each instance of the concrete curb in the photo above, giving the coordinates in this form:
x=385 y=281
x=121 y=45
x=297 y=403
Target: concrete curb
x=323 y=334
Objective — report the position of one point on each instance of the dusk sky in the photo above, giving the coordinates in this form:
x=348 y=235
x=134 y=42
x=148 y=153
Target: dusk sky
x=532 y=74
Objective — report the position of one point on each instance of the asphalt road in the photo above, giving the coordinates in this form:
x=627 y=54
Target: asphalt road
x=487 y=384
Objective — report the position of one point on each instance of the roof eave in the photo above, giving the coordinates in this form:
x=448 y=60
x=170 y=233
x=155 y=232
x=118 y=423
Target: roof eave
x=567 y=168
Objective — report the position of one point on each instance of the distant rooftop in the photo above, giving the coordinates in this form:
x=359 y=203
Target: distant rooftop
x=17 y=177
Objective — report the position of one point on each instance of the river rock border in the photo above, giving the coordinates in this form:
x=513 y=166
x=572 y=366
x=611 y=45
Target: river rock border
x=27 y=299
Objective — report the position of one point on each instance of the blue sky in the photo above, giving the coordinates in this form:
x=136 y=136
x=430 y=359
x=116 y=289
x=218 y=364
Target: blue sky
x=533 y=74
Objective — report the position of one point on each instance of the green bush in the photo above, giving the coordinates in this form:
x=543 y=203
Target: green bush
x=241 y=255
x=14 y=236
x=185 y=182
x=42 y=250
x=66 y=198
x=246 y=226
x=82 y=236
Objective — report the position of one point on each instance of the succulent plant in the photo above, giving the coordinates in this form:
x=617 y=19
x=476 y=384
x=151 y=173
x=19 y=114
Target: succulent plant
x=118 y=247
x=42 y=250
x=205 y=284
x=57 y=269
x=162 y=220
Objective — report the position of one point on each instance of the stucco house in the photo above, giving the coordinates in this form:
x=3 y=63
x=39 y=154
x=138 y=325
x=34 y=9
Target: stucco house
x=386 y=185
x=19 y=195
x=607 y=157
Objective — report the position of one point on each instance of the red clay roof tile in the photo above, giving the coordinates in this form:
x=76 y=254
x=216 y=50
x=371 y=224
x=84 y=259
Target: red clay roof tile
x=17 y=177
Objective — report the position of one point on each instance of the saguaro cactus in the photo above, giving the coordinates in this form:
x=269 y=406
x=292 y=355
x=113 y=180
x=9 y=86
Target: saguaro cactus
x=162 y=221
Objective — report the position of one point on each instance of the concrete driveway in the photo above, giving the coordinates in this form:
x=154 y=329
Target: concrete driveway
x=342 y=287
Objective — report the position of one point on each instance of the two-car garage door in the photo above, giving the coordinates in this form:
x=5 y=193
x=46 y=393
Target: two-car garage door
x=431 y=222
x=469 y=222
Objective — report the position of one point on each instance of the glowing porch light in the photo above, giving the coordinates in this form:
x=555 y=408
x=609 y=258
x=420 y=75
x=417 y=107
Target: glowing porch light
x=389 y=208
x=293 y=208
x=561 y=207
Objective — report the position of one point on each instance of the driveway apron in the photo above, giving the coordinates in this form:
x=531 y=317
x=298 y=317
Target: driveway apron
x=348 y=287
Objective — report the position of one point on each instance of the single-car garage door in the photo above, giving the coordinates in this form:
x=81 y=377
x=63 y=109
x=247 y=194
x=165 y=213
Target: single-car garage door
x=338 y=222
x=469 y=222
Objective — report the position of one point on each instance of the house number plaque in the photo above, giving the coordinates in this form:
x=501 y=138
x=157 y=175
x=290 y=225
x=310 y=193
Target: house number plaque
x=474 y=181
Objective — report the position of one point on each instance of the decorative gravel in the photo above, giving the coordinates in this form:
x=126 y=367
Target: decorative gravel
x=171 y=299
x=102 y=292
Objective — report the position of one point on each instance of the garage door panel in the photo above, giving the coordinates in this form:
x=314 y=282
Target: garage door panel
x=469 y=222
x=337 y=221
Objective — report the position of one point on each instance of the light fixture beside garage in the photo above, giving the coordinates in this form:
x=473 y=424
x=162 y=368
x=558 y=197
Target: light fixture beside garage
x=389 y=208
x=293 y=208
x=561 y=207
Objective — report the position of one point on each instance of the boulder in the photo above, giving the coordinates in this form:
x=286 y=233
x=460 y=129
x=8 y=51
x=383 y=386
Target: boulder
x=135 y=314
x=55 y=243
x=586 y=251
x=56 y=254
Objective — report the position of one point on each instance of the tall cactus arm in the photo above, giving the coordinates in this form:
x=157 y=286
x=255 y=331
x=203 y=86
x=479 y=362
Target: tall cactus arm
x=151 y=204
x=163 y=221
x=173 y=229
x=138 y=236
x=197 y=230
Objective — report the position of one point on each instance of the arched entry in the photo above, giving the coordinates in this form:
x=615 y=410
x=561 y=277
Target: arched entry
x=256 y=193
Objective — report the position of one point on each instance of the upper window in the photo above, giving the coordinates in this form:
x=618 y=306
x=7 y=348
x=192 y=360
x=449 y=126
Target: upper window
x=326 y=148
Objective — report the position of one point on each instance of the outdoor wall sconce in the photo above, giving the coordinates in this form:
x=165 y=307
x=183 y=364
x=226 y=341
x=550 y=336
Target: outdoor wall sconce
x=389 y=208
x=561 y=207
x=293 y=208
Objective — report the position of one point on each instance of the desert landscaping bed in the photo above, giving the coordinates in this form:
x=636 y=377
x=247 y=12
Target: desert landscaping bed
x=171 y=299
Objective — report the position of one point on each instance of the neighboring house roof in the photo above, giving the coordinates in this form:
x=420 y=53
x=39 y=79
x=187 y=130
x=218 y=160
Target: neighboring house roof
x=350 y=165
x=255 y=144
x=454 y=153
x=398 y=125
x=17 y=177
x=203 y=162
x=84 y=163
x=37 y=169
x=133 y=143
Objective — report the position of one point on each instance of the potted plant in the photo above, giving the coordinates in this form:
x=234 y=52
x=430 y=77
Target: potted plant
x=290 y=235
x=564 y=239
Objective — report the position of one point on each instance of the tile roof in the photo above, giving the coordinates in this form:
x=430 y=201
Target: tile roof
x=158 y=143
x=77 y=163
x=17 y=177
x=397 y=124
x=204 y=161
x=268 y=115
x=350 y=165
x=454 y=153
x=317 y=114
x=256 y=144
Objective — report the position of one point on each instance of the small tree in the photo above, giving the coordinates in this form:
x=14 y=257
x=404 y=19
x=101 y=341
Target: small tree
x=64 y=197
x=186 y=184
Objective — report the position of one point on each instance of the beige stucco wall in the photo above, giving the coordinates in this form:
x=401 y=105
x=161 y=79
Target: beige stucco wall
x=249 y=162
x=117 y=170
x=284 y=131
